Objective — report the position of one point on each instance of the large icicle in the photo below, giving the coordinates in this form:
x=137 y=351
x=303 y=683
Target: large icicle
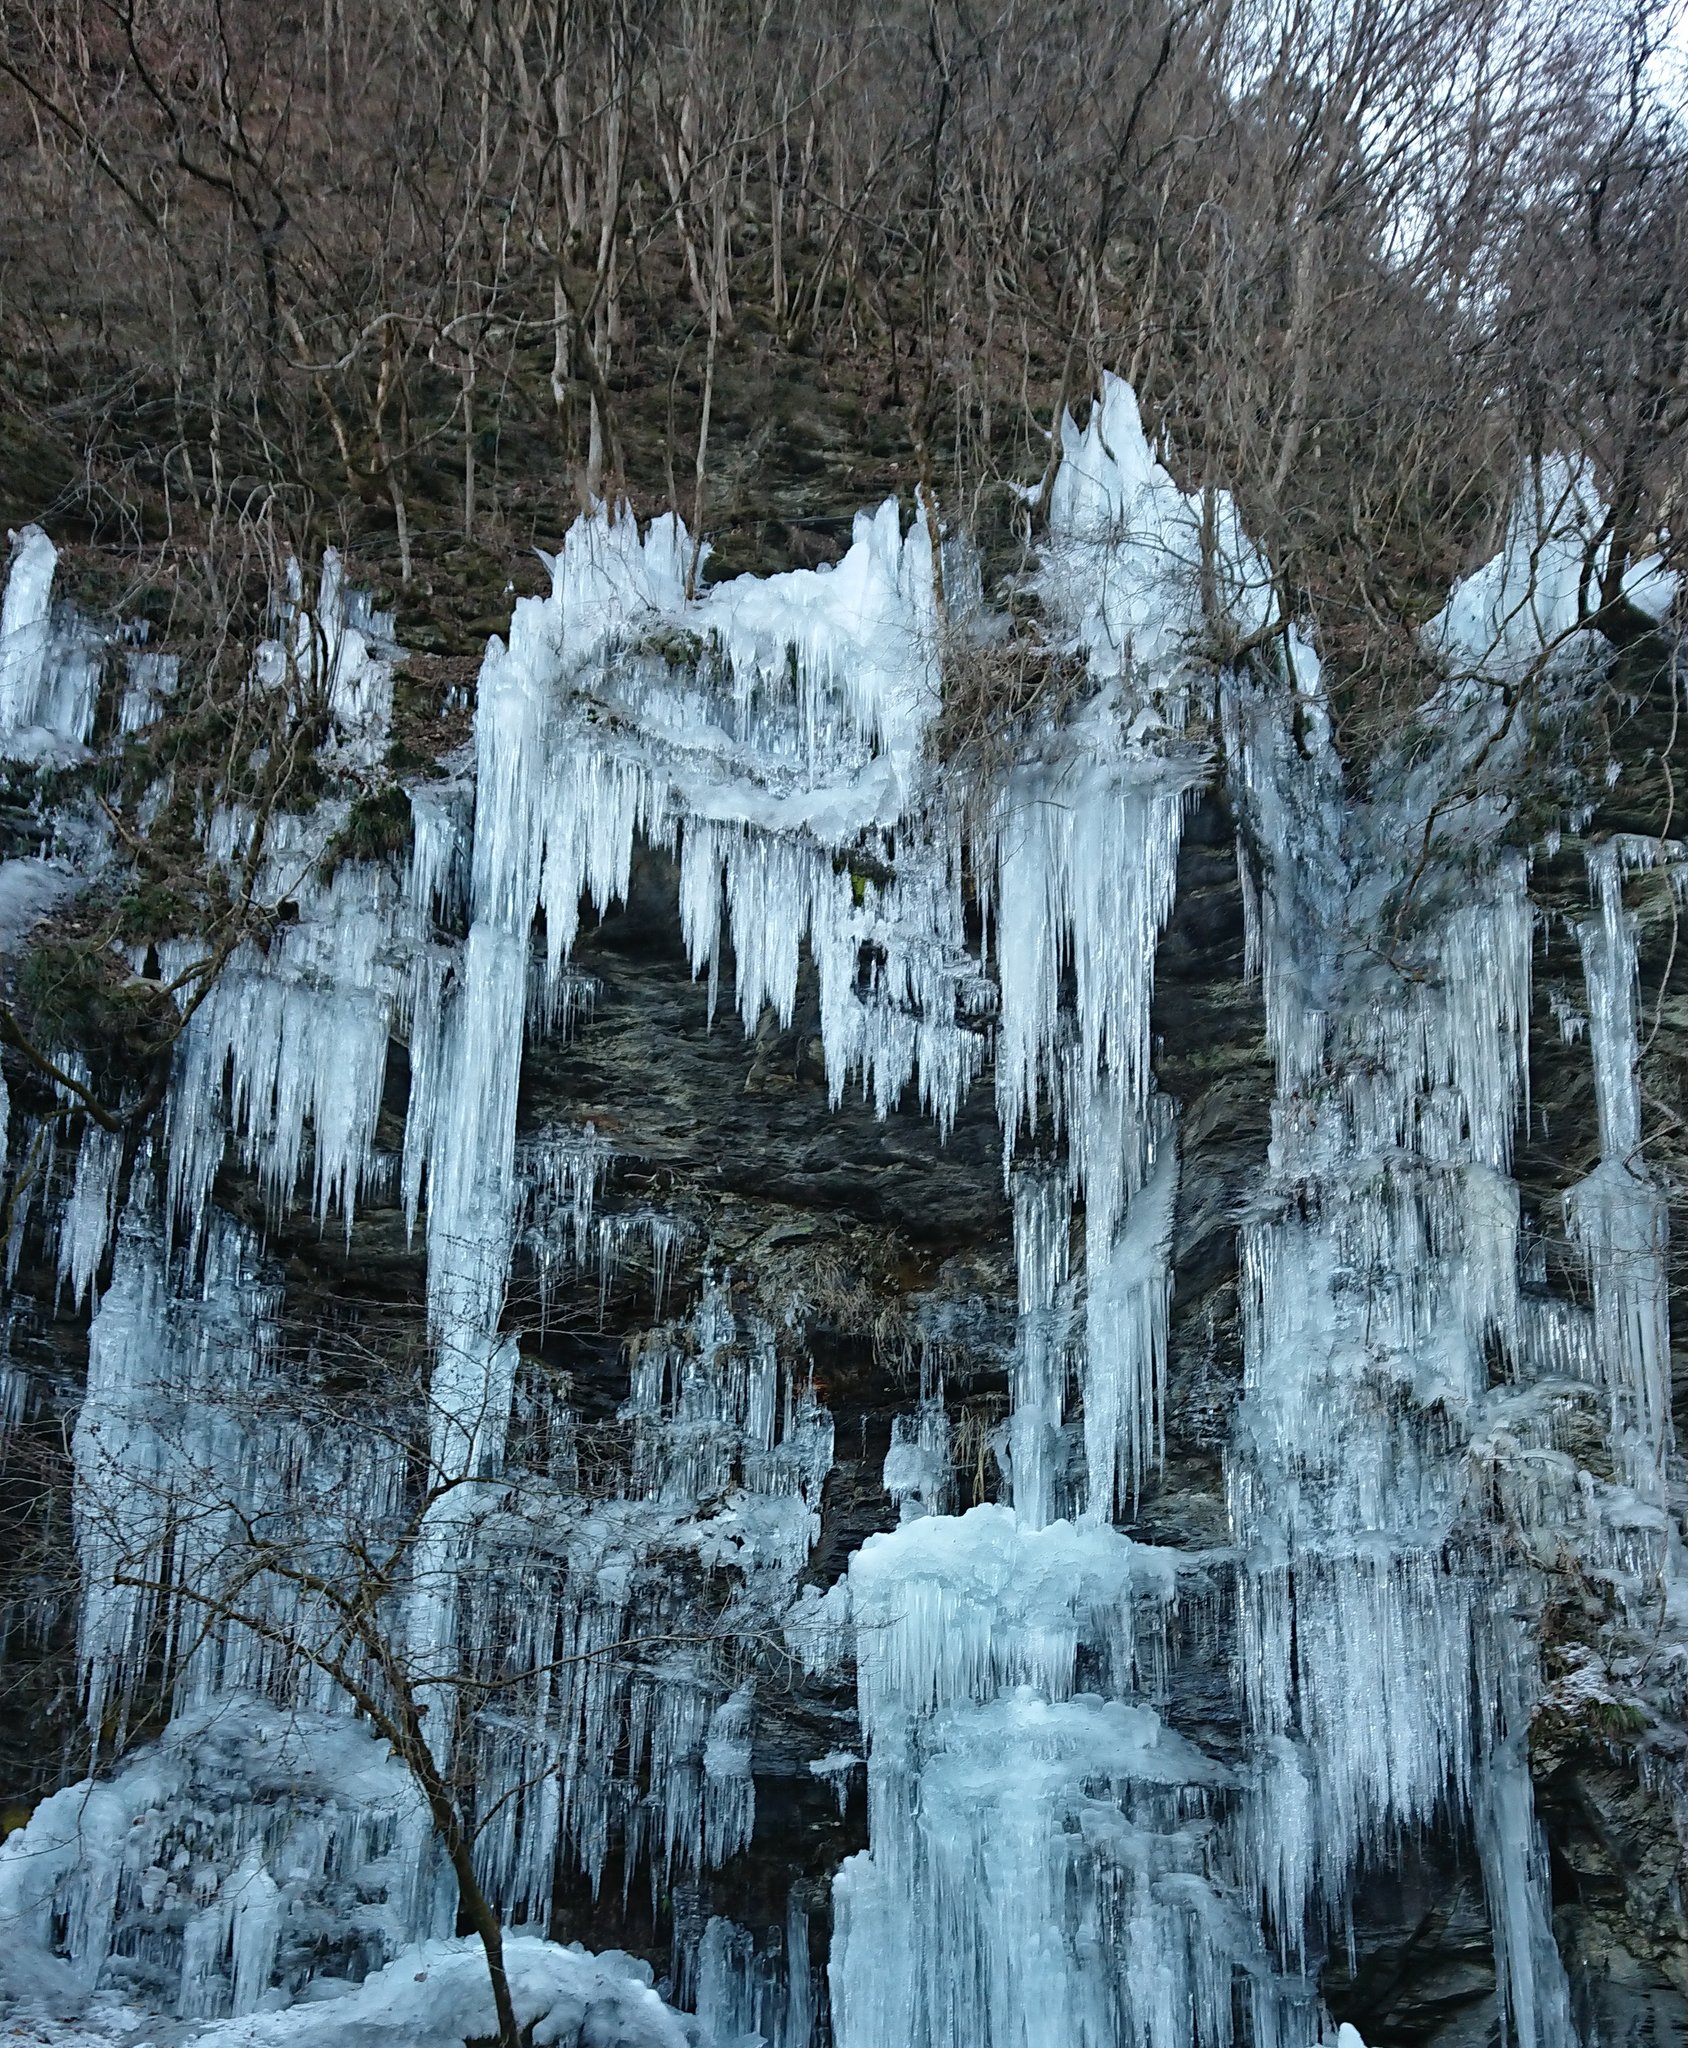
x=49 y=676
x=1618 y=1216
x=1037 y=1873
x=1382 y=1277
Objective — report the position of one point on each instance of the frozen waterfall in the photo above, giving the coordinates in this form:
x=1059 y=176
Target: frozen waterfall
x=1052 y=1857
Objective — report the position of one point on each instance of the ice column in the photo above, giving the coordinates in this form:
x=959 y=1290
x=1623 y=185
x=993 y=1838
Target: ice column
x=24 y=619
x=1042 y=1222
x=1534 y=1994
x=1378 y=1276
x=49 y=681
x=1037 y=1875
x=1086 y=867
x=1618 y=1215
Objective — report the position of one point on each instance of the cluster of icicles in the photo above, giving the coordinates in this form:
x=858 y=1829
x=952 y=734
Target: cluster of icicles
x=1050 y=1863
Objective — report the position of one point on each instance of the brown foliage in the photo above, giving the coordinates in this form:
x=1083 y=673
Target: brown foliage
x=421 y=276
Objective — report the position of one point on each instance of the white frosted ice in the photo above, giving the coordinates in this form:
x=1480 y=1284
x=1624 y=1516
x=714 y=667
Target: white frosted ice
x=1049 y=1862
x=256 y=1848
x=1618 y=1214
x=152 y=679
x=29 y=891
x=437 y=1995
x=49 y=675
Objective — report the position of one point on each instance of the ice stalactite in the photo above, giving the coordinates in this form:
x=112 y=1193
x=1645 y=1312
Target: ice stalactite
x=1382 y=1275
x=153 y=679
x=49 y=672
x=1032 y=1822
x=289 y=1047
x=90 y=1213
x=295 y=1815
x=287 y=1050
x=1049 y=1861
x=1618 y=1215
x=1042 y=1229
x=160 y=1426
x=758 y=802
x=1125 y=1337
x=197 y=1463
x=1533 y=1993
x=917 y=1469
x=1086 y=864
x=1086 y=849
x=24 y=626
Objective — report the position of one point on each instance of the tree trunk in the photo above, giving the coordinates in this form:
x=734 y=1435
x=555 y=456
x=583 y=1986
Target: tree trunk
x=468 y=447
x=476 y=1907
x=776 y=231
x=485 y=1923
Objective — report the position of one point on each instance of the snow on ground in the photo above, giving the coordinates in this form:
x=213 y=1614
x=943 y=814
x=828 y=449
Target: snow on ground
x=29 y=890
x=435 y=1995
x=430 y=1997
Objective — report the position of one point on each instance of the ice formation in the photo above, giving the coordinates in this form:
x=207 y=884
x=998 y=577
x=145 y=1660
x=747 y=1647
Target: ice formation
x=49 y=669
x=1617 y=1215
x=744 y=1994
x=1050 y=1860
x=249 y=1850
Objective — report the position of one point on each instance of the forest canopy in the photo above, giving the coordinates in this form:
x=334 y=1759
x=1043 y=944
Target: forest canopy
x=419 y=278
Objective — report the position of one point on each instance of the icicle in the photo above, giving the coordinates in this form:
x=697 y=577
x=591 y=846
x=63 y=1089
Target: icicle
x=49 y=679
x=1618 y=1216
x=1087 y=864
x=152 y=679
x=1534 y=1994
x=1127 y=1311
x=440 y=851
x=1039 y=1380
x=749 y=1992
x=836 y=1769
x=917 y=1466
x=1381 y=1274
x=91 y=1212
x=798 y=2028
x=729 y=1801
x=24 y=627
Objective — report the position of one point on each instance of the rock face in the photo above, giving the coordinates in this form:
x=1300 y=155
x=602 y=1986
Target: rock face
x=1094 y=1465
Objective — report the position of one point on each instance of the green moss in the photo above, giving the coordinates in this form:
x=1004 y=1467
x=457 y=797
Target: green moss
x=153 y=910
x=1618 y=1719
x=674 y=645
x=404 y=759
x=377 y=825
x=73 y=992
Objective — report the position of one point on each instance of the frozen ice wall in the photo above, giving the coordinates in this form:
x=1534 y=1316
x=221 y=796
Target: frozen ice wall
x=1618 y=1215
x=247 y=1850
x=1392 y=1369
x=1050 y=1860
x=49 y=668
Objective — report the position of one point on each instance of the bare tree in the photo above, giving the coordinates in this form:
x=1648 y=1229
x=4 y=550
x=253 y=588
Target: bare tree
x=280 y=1518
